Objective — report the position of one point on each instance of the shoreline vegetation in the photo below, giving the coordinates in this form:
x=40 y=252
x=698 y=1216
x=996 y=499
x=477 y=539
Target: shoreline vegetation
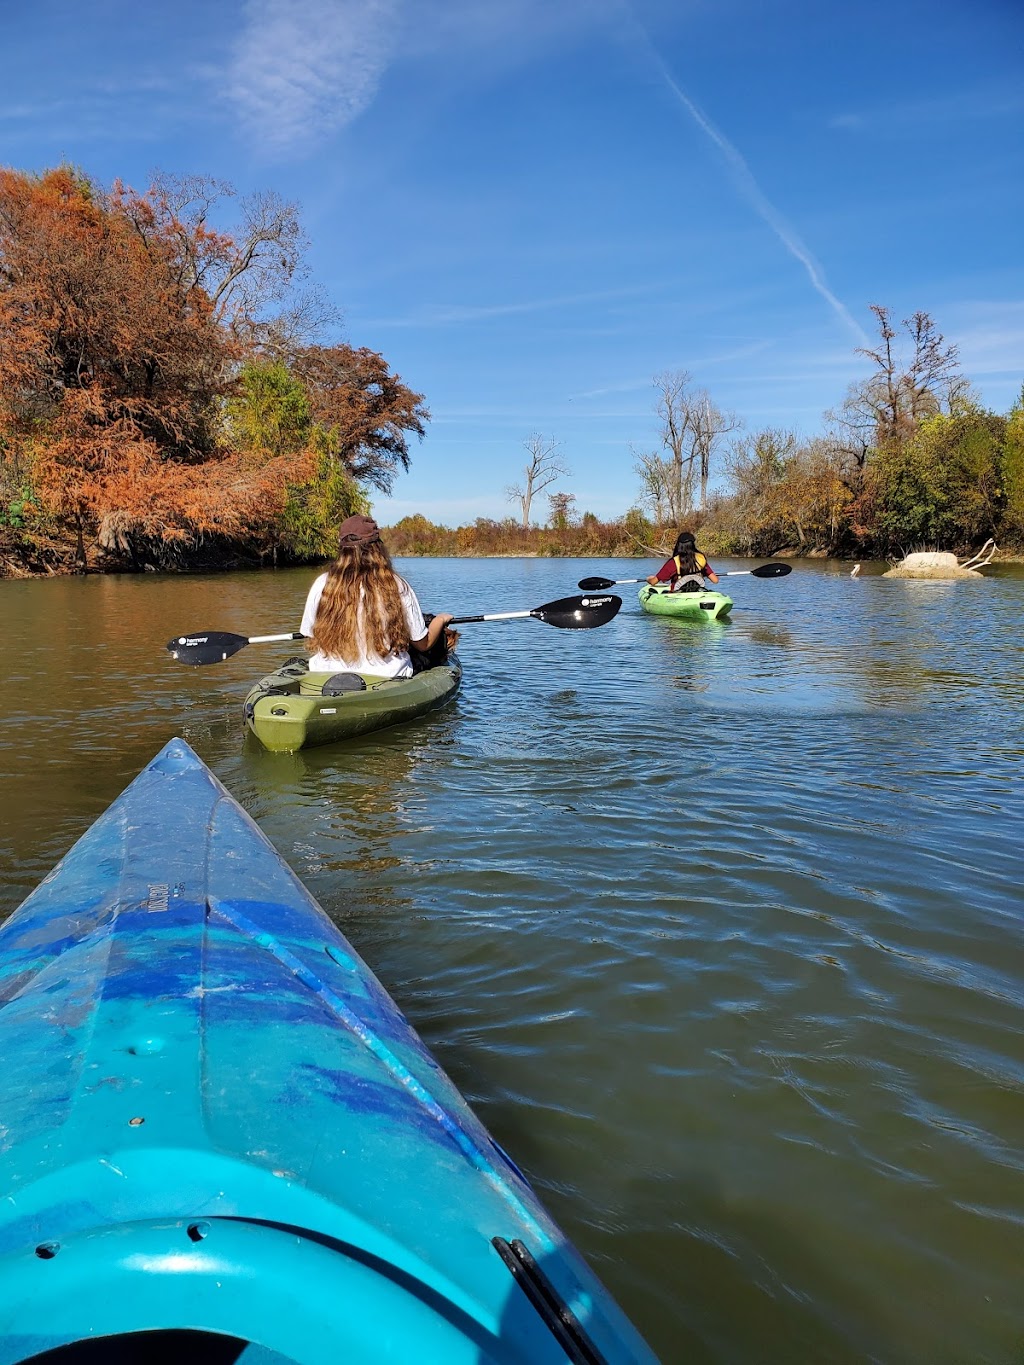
x=172 y=398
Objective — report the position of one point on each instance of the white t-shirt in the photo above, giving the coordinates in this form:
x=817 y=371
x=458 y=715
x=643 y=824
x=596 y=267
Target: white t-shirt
x=397 y=664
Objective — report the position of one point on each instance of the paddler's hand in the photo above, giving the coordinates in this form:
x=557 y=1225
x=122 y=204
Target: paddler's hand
x=435 y=629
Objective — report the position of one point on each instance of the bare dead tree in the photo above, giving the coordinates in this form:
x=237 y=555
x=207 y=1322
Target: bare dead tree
x=655 y=474
x=709 y=424
x=675 y=411
x=258 y=263
x=907 y=385
x=302 y=322
x=542 y=468
x=692 y=428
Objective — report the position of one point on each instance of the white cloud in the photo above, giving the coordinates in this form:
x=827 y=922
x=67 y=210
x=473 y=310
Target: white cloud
x=303 y=68
x=990 y=337
x=907 y=117
x=453 y=314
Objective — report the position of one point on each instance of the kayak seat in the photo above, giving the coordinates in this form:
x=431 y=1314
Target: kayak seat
x=339 y=683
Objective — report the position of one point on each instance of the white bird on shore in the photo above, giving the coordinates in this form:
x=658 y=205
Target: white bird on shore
x=855 y=571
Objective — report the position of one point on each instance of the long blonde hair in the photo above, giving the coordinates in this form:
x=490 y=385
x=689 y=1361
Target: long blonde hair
x=363 y=574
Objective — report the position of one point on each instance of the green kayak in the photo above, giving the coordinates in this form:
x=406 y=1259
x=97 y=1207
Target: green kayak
x=685 y=606
x=296 y=709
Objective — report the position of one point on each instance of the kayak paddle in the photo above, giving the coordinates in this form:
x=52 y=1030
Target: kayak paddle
x=214 y=646
x=764 y=571
x=568 y=613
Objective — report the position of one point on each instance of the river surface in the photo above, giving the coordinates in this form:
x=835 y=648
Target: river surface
x=719 y=928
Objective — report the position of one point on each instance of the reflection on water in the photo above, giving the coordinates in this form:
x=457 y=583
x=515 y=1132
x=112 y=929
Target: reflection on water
x=718 y=926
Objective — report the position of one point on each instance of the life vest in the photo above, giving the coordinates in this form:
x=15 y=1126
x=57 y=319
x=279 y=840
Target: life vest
x=682 y=581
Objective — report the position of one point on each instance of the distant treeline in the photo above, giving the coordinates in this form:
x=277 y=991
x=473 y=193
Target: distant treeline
x=166 y=401
x=909 y=460
x=632 y=534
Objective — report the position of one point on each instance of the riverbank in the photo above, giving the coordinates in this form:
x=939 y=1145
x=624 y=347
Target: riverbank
x=47 y=566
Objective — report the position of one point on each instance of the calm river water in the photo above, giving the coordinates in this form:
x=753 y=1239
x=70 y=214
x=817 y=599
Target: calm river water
x=718 y=928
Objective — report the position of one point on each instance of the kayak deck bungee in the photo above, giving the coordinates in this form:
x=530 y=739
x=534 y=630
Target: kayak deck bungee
x=287 y=710
x=217 y=1122
x=685 y=606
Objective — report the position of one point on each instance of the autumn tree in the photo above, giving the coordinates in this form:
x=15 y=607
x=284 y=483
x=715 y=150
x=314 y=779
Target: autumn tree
x=245 y=275
x=366 y=411
x=543 y=466
x=817 y=495
x=658 y=489
x=86 y=302
x=316 y=505
x=268 y=410
x=757 y=466
x=114 y=364
x=139 y=341
x=943 y=488
x=1013 y=471
x=561 y=513
x=350 y=416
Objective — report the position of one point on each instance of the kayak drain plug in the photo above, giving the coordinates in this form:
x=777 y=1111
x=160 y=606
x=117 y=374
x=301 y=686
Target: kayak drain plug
x=136 y=1122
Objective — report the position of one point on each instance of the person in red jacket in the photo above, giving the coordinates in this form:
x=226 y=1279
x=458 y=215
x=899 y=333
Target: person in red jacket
x=687 y=570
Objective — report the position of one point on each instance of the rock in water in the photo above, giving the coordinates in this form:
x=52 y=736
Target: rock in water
x=930 y=564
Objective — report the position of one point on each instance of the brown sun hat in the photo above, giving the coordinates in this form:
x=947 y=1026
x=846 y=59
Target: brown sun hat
x=358 y=531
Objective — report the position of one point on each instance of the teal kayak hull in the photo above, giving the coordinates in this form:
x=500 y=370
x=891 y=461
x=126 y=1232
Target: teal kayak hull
x=685 y=606
x=215 y=1121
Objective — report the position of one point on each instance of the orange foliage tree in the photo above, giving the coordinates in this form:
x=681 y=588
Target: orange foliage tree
x=126 y=321
x=366 y=411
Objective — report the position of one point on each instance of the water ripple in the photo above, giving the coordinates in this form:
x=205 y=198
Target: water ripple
x=719 y=929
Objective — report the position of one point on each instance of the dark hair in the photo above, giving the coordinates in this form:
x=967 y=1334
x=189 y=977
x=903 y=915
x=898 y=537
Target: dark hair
x=685 y=550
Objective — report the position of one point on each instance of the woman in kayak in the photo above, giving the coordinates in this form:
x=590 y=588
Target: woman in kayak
x=687 y=570
x=361 y=616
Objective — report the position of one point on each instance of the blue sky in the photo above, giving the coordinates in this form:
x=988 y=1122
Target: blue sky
x=532 y=207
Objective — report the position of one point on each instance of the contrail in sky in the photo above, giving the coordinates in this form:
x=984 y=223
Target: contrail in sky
x=755 y=195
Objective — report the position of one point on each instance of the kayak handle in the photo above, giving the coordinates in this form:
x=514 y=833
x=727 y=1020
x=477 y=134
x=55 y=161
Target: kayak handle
x=556 y=1314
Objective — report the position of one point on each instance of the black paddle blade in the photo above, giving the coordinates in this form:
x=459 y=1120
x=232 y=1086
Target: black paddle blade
x=772 y=571
x=578 y=613
x=207 y=647
x=596 y=584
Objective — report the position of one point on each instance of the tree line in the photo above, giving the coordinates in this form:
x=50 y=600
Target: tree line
x=910 y=459
x=167 y=398
x=165 y=395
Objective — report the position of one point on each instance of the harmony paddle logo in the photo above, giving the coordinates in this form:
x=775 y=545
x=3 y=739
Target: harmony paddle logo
x=158 y=897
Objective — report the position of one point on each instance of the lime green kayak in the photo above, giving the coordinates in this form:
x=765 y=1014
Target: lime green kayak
x=685 y=606
x=295 y=709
